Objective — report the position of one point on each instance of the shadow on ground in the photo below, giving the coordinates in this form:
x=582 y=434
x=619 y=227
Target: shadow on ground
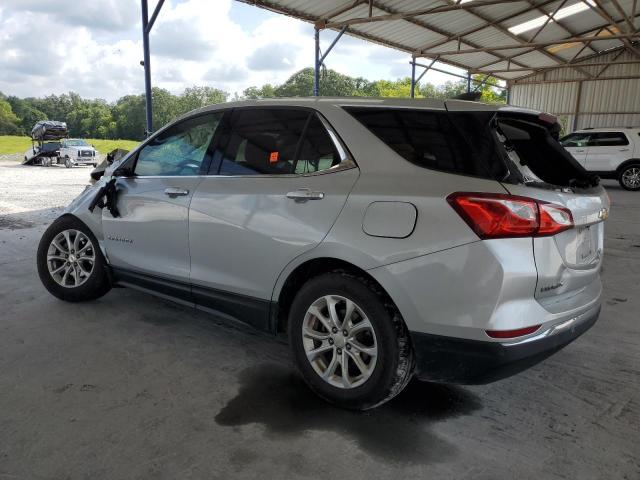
x=274 y=396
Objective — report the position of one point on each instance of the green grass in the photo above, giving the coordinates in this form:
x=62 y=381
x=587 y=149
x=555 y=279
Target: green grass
x=11 y=144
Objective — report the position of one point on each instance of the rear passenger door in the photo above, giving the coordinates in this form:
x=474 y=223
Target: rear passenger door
x=607 y=150
x=278 y=180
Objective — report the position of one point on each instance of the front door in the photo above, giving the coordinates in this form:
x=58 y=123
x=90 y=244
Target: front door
x=151 y=234
x=576 y=145
x=278 y=182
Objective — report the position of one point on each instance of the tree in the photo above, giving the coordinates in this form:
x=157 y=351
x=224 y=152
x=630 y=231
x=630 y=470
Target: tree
x=198 y=97
x=9 y=121
x=266 y=91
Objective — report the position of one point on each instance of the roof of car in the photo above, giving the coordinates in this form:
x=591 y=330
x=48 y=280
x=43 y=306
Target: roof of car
x=607 y=129
x=319 y=102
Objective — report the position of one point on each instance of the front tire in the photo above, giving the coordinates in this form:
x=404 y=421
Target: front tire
x=70 y=263
x=629 y=177
x=67 y=162
x=349 y=342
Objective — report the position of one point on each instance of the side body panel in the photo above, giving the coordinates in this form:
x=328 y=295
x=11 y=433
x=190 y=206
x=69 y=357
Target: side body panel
x=151 y=234
x=607 y=158
x=243 y=230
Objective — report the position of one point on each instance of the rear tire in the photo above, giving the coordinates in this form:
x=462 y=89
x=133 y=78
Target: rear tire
x=372 y=336
x=70 y=263
x=629 y=177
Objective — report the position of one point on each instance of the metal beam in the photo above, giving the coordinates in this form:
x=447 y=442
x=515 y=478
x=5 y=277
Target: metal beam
x=549 y=18
x=599 y=9
x=316 y=69
x=625 y=36
x=613 y=62
x=413 y=79
x=598 y=30
x=415 y=13
x=154 y=15
x=147 y=67
x=463 y=77
x=631 y=26
x=508 y=33
x=577 y=113
x=333 y=44
x=480 y=27
x=598 y=79
x=596 y=37
x=433 y=28
x=584 y=65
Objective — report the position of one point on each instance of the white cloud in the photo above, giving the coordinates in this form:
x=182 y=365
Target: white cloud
x=56 y=46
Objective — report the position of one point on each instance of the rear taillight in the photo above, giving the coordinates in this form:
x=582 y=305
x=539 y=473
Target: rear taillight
x=498 y=215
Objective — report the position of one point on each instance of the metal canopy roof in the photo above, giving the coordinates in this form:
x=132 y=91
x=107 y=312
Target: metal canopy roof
x=479 y=35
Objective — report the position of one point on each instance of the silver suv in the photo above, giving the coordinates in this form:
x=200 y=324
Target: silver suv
x=453 y=241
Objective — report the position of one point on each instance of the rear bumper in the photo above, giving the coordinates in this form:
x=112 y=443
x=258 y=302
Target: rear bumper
x=455 y=360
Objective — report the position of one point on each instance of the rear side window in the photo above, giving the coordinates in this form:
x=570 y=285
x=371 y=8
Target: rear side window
x=608 y=139
x=276 y=141
x=462 y=144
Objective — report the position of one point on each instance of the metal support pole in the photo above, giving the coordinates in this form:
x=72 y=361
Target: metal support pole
x=469 y=82
x=333 y=44
x=574 y=127
x=316 y=69
x=413 y=79
x=147 y=67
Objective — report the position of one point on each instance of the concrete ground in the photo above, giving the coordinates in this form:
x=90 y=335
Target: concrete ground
x=131 y=386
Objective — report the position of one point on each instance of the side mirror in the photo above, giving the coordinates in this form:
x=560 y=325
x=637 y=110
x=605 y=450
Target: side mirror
x=123 y=171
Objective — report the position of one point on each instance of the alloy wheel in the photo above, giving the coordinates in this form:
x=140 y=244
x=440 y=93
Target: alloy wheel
x=71 y=258
x=631 y=177
x=339 y=341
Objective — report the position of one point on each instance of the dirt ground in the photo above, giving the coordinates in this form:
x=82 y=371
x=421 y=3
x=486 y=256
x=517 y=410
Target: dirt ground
x=131 y=386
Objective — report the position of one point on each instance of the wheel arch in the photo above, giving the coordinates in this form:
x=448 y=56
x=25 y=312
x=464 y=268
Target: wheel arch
x=310 y=268
x=627 y=163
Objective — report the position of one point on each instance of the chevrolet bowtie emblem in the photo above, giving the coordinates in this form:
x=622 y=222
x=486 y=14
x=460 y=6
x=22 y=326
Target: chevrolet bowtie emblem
x=603 y=214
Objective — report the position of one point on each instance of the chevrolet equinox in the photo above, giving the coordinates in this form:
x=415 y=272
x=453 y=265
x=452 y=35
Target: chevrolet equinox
x=454 y=241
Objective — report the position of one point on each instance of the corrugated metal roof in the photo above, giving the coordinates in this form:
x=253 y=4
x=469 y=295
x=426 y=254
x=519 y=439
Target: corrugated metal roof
x=478 y=29
x=611 y=99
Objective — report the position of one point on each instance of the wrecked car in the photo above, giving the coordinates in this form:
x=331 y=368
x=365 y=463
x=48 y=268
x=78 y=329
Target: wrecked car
x=444 y=240
x=45 y=143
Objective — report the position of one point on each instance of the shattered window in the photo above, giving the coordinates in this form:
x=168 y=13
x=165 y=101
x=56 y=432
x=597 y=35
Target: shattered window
x=180 y=150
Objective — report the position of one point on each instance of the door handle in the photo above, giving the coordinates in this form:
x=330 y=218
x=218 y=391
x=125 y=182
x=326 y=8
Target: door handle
x=579 y=151
x=304 y=194
x=176 y=192
x=623 y=150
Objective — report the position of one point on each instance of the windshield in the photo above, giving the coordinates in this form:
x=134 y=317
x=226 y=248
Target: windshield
x=76 y=143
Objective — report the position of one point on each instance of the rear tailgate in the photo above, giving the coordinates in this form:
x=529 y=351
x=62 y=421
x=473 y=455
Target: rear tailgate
x=569 y=262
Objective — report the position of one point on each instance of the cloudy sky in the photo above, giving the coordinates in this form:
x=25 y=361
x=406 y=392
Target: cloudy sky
x=94 y=48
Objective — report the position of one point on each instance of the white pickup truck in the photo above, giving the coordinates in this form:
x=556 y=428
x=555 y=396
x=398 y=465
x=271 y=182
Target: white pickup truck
x=74 y=151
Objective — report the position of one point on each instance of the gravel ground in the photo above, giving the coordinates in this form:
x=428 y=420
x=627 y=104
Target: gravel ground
x=131 y=386
x=37 y=194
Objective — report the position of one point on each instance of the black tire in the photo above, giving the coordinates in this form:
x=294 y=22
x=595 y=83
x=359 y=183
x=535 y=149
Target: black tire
x=67 y=162
x=627 y=169
x=95 y=286
x=395 y=364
